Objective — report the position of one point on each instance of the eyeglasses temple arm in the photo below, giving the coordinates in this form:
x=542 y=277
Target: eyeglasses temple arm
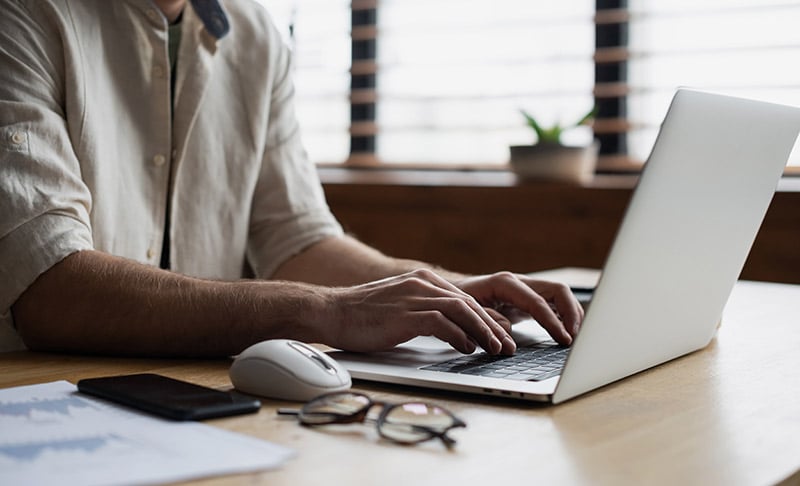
x=288 y=411
x=446 y=439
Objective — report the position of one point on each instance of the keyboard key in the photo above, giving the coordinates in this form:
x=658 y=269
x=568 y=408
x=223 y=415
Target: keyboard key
x=531 y=363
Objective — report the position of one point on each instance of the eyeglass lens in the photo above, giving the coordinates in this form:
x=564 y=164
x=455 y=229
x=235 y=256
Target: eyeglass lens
x=406 y=422
x=412 y=422
x=330 y=408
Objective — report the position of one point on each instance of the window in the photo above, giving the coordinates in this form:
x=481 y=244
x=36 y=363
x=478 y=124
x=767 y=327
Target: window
x=454 y=74
x=318 y=31
x=743 y=48
x=441 y=82
x=444 y=82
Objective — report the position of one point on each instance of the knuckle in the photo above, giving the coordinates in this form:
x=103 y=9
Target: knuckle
x=413 y=282
x=460 y=304
x=505 y=275
x=539 y=301
x=432 y=320
x=561 y=287
x=416 y=280
x=424 y=273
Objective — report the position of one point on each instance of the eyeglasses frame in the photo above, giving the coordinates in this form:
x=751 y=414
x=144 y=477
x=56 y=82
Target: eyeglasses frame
x=360 y=416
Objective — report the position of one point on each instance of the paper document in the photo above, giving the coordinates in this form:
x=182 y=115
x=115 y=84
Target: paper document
x=50 y=434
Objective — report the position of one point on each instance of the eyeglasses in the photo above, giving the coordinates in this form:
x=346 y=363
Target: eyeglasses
x=404 y=423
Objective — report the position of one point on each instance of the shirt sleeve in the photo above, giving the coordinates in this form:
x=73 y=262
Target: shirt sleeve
x=43 y=201
x=289 y=210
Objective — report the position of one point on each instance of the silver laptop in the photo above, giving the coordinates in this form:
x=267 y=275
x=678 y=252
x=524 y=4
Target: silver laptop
x=683 y=242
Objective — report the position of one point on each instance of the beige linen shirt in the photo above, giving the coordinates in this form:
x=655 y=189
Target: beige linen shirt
x=88 y=137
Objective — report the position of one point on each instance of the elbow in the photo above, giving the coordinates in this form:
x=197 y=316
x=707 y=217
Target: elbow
x=32 y=326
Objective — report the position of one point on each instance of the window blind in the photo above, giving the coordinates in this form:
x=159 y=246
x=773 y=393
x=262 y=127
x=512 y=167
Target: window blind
x=452 y=76
x=441 y=82
x=318 y=32
x=745 y=48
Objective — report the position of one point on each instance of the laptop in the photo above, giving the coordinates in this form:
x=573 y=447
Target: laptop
x=686 y=234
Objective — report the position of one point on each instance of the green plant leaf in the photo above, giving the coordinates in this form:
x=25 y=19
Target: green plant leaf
x=552 y=135
x=543 y=135
x=533 y=124
x=592 y=113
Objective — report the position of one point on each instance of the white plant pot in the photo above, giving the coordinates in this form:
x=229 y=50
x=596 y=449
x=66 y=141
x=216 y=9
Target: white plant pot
x=551 y=162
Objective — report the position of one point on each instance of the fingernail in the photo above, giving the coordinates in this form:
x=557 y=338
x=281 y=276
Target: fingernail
x=469 y=348
x=509 y=344
x=575 y=328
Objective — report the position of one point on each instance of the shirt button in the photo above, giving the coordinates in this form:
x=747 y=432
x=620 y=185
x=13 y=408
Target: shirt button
x=159 y=160
x=150 y=253
x=17 y=138
x=158 y=72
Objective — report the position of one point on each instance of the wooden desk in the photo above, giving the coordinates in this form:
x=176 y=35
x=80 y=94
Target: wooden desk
x=729 y=414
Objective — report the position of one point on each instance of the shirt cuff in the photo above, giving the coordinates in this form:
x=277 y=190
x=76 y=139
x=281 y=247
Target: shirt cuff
x=267 y=252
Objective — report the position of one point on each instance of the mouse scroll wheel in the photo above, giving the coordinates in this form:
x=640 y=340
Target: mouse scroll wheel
x=323 y=363
x=313 y=354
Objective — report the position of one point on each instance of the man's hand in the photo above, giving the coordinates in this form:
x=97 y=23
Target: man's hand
x=551 y=304
x=126 y=308
x=400 y=301
x=381 y=314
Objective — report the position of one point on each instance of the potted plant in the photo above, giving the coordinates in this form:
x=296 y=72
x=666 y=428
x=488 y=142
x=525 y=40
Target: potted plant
x=550 y=159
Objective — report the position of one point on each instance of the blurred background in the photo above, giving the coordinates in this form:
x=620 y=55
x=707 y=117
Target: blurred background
x=440 y=83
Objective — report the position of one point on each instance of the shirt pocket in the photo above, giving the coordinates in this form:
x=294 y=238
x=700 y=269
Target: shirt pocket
x=15 y=139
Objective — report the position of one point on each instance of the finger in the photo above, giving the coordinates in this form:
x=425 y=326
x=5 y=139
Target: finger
x=548 y=318
x=499 y=341
x=434 y=323
x=566 y=305
x=509 y=345
x=500 y=331
x=512 y=314
x=459 y=312
x=493 y=335
x=500 y=318
x=516 y=292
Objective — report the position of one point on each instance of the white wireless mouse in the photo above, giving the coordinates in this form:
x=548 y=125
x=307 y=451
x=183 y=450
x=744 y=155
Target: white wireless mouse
x=287 y=370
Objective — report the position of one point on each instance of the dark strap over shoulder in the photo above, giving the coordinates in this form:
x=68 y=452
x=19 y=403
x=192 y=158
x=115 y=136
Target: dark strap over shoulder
x=213 y=17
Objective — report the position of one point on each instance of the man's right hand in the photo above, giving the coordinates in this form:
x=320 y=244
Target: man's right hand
x=382 y=314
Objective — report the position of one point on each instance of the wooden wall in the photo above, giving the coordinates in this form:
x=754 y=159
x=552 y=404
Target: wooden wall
x=503 y=224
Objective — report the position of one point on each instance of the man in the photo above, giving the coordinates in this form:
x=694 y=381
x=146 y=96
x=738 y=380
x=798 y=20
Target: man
x=139 y=133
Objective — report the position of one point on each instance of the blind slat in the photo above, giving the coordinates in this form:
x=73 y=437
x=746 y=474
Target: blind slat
x=408 y=78
x=743 y=48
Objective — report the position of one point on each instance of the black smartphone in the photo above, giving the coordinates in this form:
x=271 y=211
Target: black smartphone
x=168 y=397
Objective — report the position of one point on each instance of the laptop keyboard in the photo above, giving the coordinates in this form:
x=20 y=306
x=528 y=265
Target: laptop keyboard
x=530 y=363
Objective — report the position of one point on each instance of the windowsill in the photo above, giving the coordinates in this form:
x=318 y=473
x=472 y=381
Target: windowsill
x=453 y=178
x=477 y=178
x=444 y=216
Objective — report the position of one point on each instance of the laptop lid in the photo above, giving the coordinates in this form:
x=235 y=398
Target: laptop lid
x=685 y=237
x=683 y=242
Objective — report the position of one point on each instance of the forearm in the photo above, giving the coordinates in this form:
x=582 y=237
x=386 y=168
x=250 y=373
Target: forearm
x=347 y=261
x=92 y=302
x=96 y=303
